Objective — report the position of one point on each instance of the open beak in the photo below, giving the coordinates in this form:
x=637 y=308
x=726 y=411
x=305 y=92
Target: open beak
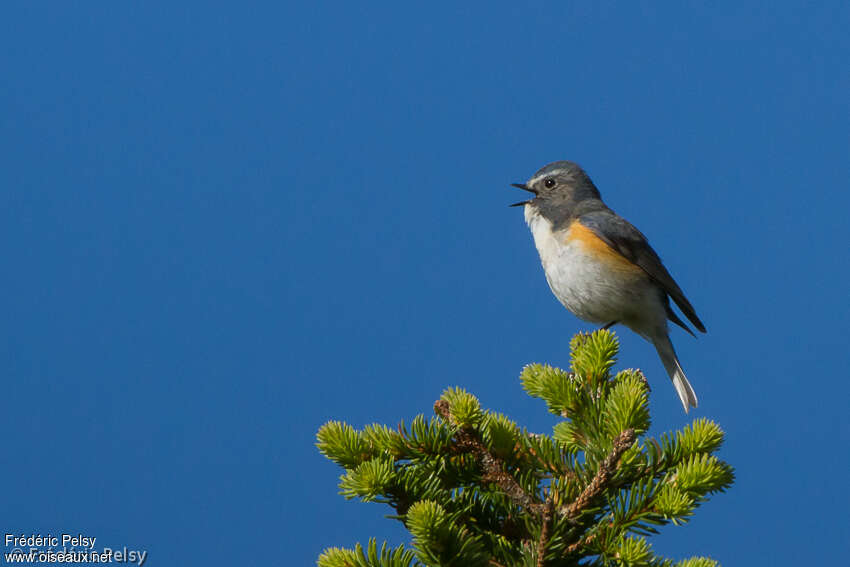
x=524 y=187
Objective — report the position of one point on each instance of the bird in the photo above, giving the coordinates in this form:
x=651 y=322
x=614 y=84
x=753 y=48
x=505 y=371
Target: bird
x=602 y=268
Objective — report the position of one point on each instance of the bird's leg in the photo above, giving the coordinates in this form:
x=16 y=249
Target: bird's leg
x=608 y=325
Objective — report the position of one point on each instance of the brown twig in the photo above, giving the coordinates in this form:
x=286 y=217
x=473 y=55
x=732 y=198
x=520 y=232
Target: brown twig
x=548 y=509
x=607 y=467
x=572 y=548
x=642 y=377
x=469 y=440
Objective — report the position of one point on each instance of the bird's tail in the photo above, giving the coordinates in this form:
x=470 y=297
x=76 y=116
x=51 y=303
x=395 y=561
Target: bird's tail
x=674 y=370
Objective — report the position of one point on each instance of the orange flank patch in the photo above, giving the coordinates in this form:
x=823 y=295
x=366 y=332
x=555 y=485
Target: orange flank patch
x=598 y=248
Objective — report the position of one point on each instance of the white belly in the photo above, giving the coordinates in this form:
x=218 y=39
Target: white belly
x=591 y=289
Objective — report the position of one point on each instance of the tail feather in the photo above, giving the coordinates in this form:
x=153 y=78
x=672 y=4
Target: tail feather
x=674 y=370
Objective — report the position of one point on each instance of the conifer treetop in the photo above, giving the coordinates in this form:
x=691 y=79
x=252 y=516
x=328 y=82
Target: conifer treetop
x=474 y=489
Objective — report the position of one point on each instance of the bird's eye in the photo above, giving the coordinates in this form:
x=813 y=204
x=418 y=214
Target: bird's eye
x=549 y=183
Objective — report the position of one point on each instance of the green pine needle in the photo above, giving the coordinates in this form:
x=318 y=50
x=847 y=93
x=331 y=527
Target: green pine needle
x=634 y=552
x=339 y=442
x=700 y=475
x=500 y=434
x=383 y=439
x=552 y=385
x=371 y=557
x=674 y=504
x=593 y=355
x=440 y=541
x=627 y=405
x=698 y=562
x=466 y=410
x=370 y=480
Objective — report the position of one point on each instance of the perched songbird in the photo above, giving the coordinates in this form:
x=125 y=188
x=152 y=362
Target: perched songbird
x=601 y=267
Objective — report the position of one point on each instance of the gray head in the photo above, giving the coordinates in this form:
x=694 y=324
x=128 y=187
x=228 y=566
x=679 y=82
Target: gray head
x=558 y=188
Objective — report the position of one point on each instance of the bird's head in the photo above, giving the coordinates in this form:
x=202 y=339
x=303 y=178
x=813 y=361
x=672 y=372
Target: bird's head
x=558 y=184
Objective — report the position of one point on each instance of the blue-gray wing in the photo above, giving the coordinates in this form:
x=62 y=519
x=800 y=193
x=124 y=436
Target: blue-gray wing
x=620 y=235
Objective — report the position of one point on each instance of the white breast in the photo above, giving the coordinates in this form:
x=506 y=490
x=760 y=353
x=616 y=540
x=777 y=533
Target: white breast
x=587 y=287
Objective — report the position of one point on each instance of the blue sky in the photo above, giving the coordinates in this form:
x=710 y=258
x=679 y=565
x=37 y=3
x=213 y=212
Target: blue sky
x=223 y=226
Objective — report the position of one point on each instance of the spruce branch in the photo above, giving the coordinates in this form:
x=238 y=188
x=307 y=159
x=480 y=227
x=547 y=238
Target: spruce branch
x=607 y=467
x=468 y=440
